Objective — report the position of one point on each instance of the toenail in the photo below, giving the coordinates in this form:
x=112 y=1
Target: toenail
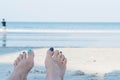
x=23 y=52
x=60 y=51
x=51 y=49
x=29 y=51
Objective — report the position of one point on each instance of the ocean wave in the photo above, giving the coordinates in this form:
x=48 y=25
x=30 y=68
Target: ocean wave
x=60 y=31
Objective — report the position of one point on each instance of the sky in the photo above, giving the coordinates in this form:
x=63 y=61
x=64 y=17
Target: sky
x=60 y=10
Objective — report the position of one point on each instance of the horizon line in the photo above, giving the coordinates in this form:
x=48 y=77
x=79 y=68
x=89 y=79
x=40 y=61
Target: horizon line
x=64 y=22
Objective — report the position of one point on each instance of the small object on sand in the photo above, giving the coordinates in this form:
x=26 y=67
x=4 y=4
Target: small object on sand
x=29 y=51
x=94 y=60
x=78 y=73
x=51 y=49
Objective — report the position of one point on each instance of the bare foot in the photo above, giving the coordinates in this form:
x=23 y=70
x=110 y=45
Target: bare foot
x=22 y=65
x=55 y=64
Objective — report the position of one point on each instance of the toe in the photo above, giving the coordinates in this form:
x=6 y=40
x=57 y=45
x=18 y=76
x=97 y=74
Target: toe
x=31 y=54
x=49 y=58
x=59 y=56
x=49 y=54
x=64 y=61
x=15 y=63
x=62 y=58
x=24 y=55
x=56 y=53
x=21 y=56
x=18 y=59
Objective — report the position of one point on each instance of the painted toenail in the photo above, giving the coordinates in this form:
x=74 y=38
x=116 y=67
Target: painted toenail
x=60 y=51
x=29 y=51
x=51 y=49
x=23 y=52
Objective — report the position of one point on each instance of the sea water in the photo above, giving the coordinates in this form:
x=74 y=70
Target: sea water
x=61 y=34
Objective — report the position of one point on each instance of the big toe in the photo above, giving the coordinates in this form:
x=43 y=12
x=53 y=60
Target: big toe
x=30 y=54
x=49 y=59
x=49 y=53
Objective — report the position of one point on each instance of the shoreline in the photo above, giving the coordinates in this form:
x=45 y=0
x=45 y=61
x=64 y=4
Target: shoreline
x=58 y=31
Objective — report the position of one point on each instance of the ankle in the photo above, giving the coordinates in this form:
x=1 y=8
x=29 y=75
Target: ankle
x=17 y=76
x=14 y=76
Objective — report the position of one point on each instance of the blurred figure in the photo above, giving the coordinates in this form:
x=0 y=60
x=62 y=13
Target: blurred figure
x=3 y=22
x=4 y=32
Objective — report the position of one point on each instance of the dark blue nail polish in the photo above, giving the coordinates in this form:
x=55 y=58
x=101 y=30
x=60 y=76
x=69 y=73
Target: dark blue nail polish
x=29 y=51
x=60 y=51
x=51 y=49
x=23 y=52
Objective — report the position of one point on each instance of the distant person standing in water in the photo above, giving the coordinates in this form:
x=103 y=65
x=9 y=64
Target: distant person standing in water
x=4 y=32
x=3 y=23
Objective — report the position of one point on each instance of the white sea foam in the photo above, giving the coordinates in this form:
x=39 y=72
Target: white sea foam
x=61 y=31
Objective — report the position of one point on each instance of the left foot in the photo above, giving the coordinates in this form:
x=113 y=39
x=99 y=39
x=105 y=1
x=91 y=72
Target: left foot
x=22 y=65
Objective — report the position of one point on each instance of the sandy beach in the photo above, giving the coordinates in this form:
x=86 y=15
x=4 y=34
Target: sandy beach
x=83 y=63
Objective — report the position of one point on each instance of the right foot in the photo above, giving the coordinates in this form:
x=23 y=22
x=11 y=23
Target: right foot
x=22 y=66
x=55 y=64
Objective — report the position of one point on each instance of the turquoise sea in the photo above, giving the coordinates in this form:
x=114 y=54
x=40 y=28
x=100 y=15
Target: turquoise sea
x=64 y=25
x=61 y=34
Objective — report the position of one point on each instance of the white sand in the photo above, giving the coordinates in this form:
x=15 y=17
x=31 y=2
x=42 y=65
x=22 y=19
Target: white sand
x=83 y=63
